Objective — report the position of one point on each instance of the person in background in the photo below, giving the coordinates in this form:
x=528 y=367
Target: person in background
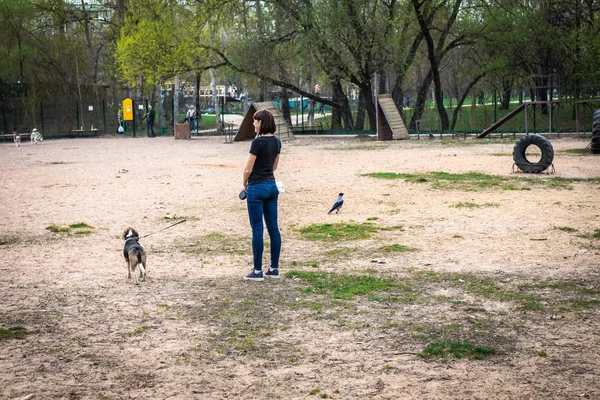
x=120 y=121
x=262 y=193
x=150 y=120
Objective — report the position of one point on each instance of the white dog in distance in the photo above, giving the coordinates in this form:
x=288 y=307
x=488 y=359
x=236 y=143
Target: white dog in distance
x=36 y=137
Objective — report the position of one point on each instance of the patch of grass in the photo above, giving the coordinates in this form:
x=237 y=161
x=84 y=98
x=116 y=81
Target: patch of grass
x=342 y=286
x=338 y=231
x=485 y=287
x=584 y=303
x=473 y=205
x=78 y=229
x=8 y=239
x=455 y=350
x=340 y=252
x=372 y=218
x=397 y=248
x=473 y=181
x=565 y=228
x=15 y=332
x=175 y=217
x=80 y=225
x=573 y=151
x=531 y=305
x=596 y=234
x=83 y=232
x=58 y=229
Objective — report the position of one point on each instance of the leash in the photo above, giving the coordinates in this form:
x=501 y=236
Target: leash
x=170 y=226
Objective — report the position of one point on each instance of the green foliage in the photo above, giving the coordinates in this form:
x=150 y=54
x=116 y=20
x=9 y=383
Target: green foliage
x=80 y=225
x=8 y=239
x=78 y=229
x=397 y=248
x=343 y=286
x=456 y=350
x=565 y=229
x=158 y=39
x=474 y=181
x=15 y=332
x=338 y=231
x=57 y=228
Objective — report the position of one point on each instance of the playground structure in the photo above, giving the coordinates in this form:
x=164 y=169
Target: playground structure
x=389 y=121
x=523 y=107
x=246 y=129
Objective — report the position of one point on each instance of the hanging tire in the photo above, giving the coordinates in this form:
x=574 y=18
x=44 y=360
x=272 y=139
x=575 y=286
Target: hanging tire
x=596 y=124
x=521 y=160
x=595 y=145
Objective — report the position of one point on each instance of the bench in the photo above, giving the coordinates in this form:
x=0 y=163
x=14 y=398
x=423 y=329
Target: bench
x=82 y=132
x=11 y=136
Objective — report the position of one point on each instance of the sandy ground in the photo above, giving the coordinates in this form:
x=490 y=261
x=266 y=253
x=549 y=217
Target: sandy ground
x=196 y=330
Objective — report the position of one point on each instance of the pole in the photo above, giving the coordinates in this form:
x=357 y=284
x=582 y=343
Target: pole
x=302 y=105
x=173 y=111
x=147 y=127
x=77 y=113
x=104 y=115
x=495 y=103
x=376 y=108
x=42 y=115
x=133 y=121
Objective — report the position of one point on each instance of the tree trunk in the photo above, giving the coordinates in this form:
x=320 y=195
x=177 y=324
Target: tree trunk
x=339 y=98
x=285 y=106
x=505 y=96
x=175 y=103
x=199 y=123
x=160 y=107
x=462 y=99
x=439 y=99
x=419 y=106
x=216 y=101
x=541 y=83
x=435 y=54
x=92 y=61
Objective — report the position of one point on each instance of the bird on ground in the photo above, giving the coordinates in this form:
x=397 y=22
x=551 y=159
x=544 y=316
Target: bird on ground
x=338 y=204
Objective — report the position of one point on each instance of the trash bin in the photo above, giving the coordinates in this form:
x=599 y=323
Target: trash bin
x=182 y=131
x=161 y=131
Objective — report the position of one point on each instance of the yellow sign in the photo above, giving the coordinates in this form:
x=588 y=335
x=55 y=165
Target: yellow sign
x=128 y=110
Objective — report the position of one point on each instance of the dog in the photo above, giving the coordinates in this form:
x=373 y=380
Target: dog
x=134 y=254
x=17 y=139
x=36 y=137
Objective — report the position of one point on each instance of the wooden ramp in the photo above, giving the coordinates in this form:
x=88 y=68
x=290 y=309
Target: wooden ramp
x=502 y=120
x=246 y=130
x=389 y=122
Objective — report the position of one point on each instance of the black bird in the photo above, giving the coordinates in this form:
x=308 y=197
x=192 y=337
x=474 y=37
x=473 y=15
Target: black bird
x=338 y=204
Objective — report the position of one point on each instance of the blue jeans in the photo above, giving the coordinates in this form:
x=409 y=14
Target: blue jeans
x=262 y=201
x=151 y=128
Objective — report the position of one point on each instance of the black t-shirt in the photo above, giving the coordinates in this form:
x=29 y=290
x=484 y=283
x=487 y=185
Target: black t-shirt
x=266 y=149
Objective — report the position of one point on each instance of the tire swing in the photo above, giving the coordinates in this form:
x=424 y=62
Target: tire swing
x=595 y=145
x=521 y=160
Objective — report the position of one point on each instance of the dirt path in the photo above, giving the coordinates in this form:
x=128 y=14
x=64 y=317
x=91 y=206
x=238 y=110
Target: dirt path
x=512 y=267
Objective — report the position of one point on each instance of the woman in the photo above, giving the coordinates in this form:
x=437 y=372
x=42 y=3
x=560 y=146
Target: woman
x=262 y=193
